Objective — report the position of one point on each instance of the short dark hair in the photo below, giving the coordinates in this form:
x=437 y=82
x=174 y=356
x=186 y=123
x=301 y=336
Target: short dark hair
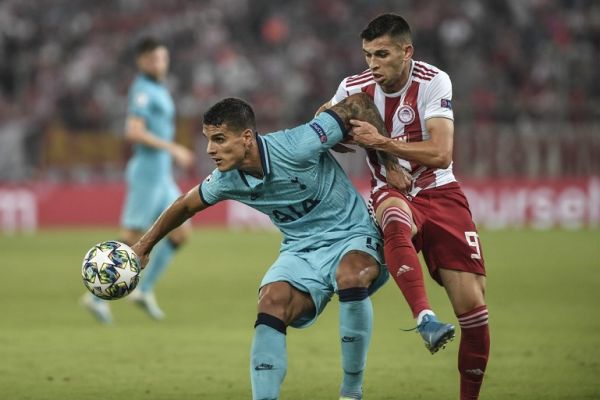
x=386 y=24
x=236 y=113
x=146 y=45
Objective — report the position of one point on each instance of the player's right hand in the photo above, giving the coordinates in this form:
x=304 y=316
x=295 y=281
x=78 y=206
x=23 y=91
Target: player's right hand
x=183 y=157
x=143 y=258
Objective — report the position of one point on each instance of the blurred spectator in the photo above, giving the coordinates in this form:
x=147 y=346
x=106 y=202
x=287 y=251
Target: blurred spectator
x=66 y=64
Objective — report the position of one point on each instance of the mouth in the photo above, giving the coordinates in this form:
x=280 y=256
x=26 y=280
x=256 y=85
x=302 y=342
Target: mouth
x=217 y=161
x=377 y=77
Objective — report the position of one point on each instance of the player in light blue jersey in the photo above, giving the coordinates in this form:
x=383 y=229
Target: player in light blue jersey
x=330 y=244
x=150 y=127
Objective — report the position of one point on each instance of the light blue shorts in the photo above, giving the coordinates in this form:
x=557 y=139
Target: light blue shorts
x=145 y=202
x=313 y=272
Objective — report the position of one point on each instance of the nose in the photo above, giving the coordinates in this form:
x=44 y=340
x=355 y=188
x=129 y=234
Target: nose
x=210 y=150
x=371 y=63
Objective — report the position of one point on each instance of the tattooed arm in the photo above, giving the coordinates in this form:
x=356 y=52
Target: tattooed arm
x=361 y=107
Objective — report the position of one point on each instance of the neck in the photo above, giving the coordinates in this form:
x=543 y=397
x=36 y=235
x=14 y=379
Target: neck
x=252 y=164
x=151 y=77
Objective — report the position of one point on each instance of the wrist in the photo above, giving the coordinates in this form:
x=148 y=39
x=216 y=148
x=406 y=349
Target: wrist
x=382 y=143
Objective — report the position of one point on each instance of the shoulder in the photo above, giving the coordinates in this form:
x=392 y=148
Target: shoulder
x=357 y=81
x=432 y=79
x=140 y=87
x=427 y=73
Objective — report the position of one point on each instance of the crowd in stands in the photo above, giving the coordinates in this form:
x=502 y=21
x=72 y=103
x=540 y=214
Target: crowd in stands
x=70 y=62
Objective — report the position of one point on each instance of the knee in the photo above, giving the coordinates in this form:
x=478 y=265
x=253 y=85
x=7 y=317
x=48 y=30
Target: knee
x=179 y=237
x=472 y=300
x=356 y=274
x=274 y=302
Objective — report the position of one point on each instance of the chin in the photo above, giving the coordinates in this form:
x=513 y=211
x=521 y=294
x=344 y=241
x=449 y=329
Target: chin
x=224 y=168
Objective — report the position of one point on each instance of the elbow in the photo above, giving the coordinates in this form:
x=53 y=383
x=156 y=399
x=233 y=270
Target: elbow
x=442 y=161
x=131 y=137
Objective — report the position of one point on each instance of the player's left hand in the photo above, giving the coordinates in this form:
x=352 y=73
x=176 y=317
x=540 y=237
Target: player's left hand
x=365 y=134
x=399 y=179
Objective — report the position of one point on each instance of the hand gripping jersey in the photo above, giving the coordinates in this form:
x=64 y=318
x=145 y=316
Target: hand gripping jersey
x=427 y=94
x=304 y=190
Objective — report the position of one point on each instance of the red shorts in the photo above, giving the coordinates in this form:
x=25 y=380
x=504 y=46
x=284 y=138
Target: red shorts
x=446 y=233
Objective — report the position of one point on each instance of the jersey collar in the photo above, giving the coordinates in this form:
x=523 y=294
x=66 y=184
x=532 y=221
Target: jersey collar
x=263 y=151
x=265 y=161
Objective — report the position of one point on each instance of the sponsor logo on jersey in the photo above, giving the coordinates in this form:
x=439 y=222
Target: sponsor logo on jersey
x=406 y=114
x=320 y=131
x=445 y=103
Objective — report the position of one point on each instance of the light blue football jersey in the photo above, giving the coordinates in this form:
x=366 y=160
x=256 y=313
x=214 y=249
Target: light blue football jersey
x=304 y=190
x=149 y=99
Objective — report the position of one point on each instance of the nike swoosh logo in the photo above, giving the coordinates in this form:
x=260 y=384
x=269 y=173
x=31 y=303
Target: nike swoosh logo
x=263 y=367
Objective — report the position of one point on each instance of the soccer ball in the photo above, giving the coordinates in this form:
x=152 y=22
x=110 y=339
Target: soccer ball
x=110 y=270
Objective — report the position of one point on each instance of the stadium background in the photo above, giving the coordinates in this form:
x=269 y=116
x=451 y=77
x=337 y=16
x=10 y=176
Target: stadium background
x=527 y=147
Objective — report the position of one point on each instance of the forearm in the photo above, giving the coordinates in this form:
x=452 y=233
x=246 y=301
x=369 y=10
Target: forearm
x=137 y=132
x=424 y=153
x=148 y=139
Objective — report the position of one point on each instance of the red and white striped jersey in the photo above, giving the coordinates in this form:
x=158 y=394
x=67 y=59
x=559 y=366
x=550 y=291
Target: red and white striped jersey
x=427 y=94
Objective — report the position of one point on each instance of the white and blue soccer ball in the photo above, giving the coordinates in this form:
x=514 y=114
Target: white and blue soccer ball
x=110 y=270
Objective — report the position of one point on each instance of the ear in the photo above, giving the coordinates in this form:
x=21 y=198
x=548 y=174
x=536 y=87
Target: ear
x=248 y=136
x=410 y=50
x=248 y=133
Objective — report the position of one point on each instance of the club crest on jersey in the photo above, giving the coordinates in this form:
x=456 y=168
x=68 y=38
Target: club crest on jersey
x=320 y=131
x=406 y=114
x=141 y=100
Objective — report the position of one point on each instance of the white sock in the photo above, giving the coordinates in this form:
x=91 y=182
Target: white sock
x=422 y=314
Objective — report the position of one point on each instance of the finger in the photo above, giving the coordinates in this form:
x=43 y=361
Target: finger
x=355 y=122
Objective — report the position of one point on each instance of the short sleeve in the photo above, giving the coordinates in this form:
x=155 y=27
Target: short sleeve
x=139 y=102
x=340 y=94
x=211 y=189
x=438 y=98
x=303 y=143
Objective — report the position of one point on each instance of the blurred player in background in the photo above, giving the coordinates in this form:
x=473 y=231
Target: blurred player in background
x=151 y=188
x=415 y=100
x=330 y=244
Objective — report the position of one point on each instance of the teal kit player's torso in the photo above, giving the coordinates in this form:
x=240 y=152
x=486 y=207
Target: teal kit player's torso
x=304 y=191
x=150 y=100
x=151 y=187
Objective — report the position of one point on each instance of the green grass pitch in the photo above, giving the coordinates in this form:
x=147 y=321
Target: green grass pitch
x=543 y=296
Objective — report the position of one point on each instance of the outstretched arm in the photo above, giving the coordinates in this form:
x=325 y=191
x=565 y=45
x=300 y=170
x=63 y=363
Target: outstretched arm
x=180 y=211
x=361 y=107
x=339 y=147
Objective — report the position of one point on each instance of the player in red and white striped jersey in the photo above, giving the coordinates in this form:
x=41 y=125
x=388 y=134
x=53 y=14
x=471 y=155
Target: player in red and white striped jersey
x=415 y=101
